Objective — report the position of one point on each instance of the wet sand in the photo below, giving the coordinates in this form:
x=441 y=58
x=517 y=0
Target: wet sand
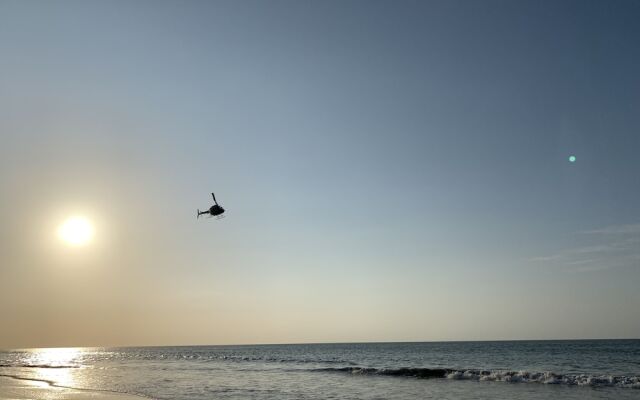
x=22 y=389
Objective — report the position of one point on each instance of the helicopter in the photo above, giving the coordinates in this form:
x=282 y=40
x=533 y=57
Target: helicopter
x=215 y=209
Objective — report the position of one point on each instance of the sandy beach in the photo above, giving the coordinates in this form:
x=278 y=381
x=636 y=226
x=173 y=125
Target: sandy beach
x=22 y=389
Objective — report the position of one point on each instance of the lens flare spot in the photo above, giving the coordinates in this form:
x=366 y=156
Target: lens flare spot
x=572 y=159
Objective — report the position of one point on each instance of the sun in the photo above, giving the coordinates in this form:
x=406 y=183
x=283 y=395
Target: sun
x=76 y=231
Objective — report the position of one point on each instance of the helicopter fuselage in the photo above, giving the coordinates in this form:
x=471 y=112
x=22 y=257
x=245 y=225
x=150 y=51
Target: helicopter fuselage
x=216 y=210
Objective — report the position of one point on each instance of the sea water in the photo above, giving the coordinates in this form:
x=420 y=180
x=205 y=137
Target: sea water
x=586 y=369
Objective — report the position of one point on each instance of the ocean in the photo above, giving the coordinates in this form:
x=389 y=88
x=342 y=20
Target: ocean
x=584 y=369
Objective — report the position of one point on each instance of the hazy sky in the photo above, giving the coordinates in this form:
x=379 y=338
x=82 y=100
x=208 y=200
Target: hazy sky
x=392 y=171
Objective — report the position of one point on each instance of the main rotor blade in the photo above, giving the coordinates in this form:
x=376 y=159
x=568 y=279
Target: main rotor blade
x=214 y=198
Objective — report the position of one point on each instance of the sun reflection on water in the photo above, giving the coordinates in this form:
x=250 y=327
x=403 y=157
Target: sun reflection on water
x=56 y=365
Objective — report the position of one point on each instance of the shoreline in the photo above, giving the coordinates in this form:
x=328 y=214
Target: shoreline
x=13 y=387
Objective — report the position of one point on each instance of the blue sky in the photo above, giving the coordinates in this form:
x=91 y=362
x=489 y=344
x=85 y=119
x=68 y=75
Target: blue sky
x=391 y=170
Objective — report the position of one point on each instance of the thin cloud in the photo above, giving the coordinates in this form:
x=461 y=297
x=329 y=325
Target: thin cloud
x=629 y=229
x=581 y=262
x=547 y=258
x=619 y=246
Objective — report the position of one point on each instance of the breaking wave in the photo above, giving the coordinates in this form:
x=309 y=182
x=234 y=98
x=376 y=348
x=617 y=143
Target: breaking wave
x=632 y=382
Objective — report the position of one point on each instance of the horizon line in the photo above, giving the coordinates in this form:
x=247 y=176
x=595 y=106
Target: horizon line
x=317 y=343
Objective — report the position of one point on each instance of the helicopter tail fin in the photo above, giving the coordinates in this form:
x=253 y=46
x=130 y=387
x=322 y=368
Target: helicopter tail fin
x=198 y=216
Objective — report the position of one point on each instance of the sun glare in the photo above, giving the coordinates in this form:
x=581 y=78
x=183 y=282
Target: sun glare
x=58 y=365
x=76 y=231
